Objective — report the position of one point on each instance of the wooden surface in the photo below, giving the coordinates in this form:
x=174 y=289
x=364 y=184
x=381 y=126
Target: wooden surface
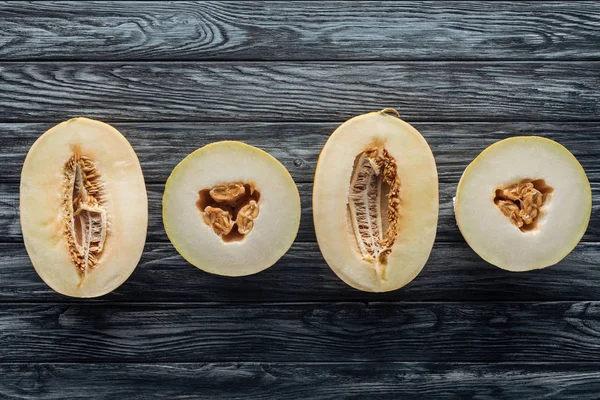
x=274 y=381
x=282 y=76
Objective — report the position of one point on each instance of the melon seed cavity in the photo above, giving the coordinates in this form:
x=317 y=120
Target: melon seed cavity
x=229 y=209
x=85 y=214
x=374 y=187
x=522 y=202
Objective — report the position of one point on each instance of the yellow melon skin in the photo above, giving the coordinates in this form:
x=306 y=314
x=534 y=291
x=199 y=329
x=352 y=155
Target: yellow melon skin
x=564 y=218
x=42 y=206
x=419 y=201
x=226 y=162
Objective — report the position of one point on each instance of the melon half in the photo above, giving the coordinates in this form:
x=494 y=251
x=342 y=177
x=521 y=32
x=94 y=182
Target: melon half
x=375 y=202
x=83 y=207
x=231 y=209
x=524 y=203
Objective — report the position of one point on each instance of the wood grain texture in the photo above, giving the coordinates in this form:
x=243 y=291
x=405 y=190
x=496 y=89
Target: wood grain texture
x=299 y=91
x=161 y=146
x=447 y=231
x=325 y=381
x=453 y=273
x=282 y=76
x=267 y=332
x=299 y=31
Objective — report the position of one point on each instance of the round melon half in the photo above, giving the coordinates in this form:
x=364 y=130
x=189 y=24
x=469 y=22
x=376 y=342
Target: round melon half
x=375 y=202
x=231 y=209
x=83 y=206
x=524 y=203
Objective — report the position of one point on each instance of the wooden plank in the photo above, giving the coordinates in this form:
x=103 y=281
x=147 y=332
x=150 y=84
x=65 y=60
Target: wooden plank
x=326 y=381
x=299 y=31
x=266 y=332
x=160 y=146
x=453 y=273
x=10 y=229
x=299 y=91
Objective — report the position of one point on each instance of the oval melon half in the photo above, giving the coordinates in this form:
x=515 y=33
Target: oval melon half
x=375 y=202
x=524 y=203
x=231 y=209
x=83 y=206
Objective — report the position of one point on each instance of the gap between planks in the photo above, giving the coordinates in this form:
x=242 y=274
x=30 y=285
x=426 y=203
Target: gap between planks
x=315 y=61
x=323 y=363
x=305 y=121
x=99 y=302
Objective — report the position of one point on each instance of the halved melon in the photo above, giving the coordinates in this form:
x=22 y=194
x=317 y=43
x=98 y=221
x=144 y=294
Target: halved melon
x=524 y=203
x=375 y=202
x=231 y=209
x=84 y=209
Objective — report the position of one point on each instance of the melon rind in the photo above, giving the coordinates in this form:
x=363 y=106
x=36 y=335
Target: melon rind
x=565 y=216
x=41 y=206
x=228 y=162
x=419 y=196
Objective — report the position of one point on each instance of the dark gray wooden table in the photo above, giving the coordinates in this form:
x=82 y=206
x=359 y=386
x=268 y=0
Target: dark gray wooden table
x=281 y=76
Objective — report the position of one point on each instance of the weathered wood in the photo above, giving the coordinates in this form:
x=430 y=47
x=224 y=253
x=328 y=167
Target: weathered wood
x=297 y=145
x=282 y=76
x=10 y=229
x=265 y=332
x=299 y=31
x=453 y=273
x=326 y=381
x=299 y=91
x=160 y=146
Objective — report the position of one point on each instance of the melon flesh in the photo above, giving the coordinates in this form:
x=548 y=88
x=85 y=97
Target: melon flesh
x=559 y=222
x=231 y=209
x=83 y=208
x=372 y=241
